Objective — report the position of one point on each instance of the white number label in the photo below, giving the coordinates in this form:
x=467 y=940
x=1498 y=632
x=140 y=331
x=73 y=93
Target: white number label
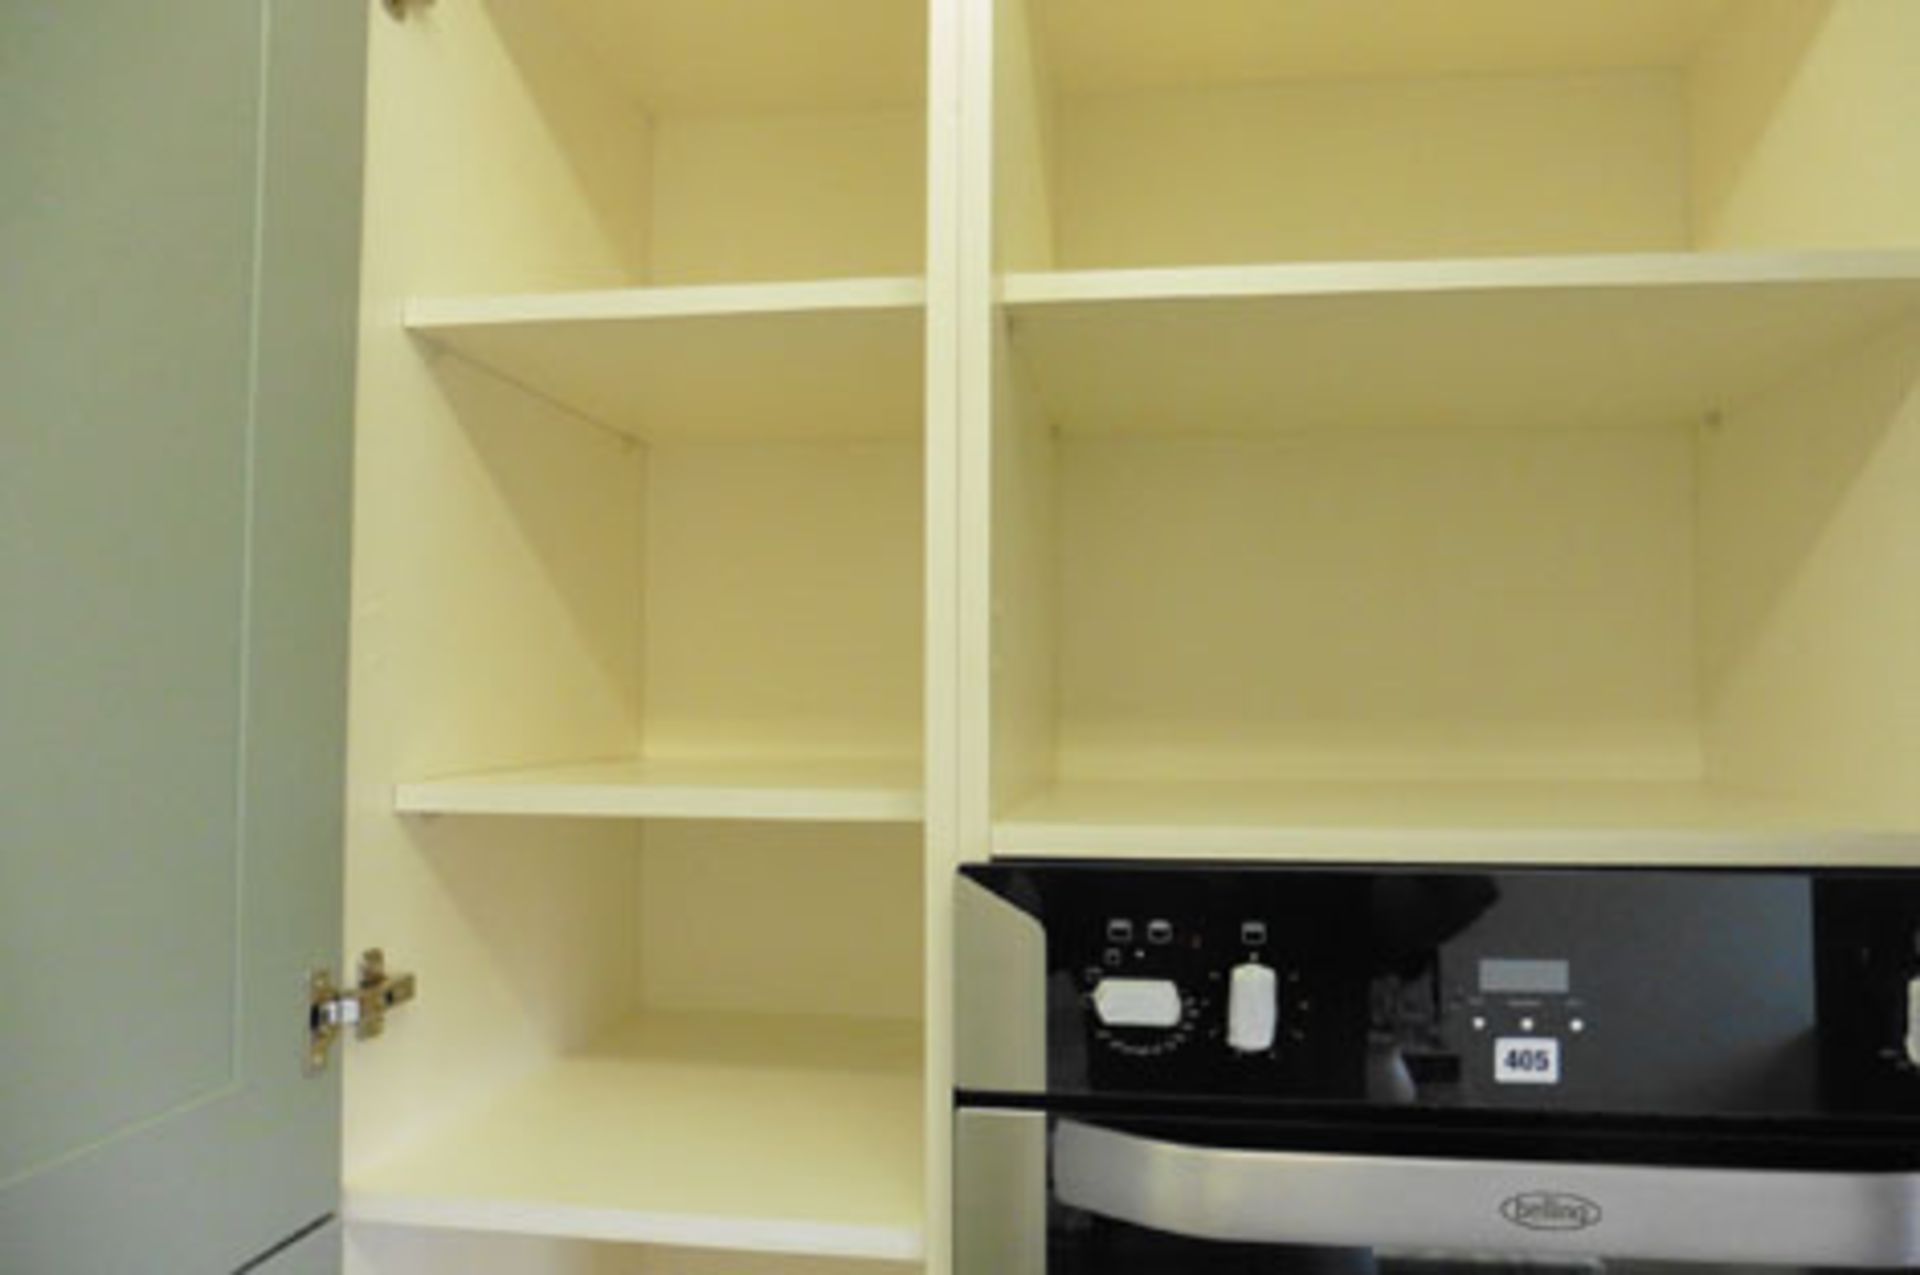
x=1526 y=1060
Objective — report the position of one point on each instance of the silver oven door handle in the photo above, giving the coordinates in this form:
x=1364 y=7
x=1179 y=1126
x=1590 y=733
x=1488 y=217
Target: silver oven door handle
x=1491 y=1207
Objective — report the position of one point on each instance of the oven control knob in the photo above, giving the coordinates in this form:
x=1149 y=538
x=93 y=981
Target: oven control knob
x=1253 y=1008
x=1137 y=1002
x=1913 y=1022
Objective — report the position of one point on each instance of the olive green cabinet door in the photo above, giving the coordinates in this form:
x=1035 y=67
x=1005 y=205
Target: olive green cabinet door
x=179 y=223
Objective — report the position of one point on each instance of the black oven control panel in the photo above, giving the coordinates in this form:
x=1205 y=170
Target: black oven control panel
x=1644 y=991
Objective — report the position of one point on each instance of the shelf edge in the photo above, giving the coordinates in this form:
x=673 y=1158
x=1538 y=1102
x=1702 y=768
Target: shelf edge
x=1466 y=844
x=597 y=801
x=1041 y=289
x=903 y=293
x=796 y=1237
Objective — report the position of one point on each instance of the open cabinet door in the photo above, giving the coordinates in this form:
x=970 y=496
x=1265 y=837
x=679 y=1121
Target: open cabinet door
x=179 y=225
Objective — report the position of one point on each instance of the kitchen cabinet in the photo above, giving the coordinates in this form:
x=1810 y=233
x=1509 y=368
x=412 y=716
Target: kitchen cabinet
x=637 y=766
x=1341 y=431
x=1462 y=433
x=802 y=447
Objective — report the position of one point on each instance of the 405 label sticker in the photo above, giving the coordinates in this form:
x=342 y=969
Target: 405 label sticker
x=1526 y=1060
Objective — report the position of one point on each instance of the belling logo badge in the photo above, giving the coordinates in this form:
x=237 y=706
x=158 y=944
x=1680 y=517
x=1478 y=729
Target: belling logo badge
x=1550 y=1211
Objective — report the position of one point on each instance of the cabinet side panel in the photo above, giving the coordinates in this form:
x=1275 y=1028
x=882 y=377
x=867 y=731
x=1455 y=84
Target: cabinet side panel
x=791 y=196
x=1373 y=169
x=501 y=553
x=495 y=624
x=498 y=159
x=959 y=267
x=1492 y=605
x=1021 y=493
x=1803 y=126
x=1022 y=107
x=1025 y=583
x=496 y=584
x=1810 y=551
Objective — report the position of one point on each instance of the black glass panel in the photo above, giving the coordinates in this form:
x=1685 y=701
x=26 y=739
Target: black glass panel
x=1644 y=993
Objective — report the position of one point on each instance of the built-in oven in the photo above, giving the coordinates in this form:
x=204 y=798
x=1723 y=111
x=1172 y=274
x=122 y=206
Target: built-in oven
x=1184 y=1069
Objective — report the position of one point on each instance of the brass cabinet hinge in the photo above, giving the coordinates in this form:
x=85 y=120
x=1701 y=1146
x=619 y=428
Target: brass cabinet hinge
x=332 y=1009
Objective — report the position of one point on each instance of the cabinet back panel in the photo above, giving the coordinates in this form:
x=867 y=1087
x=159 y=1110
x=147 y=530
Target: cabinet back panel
x=783 y=600
x=768 y=197
x=1486 y=605
x=1373 y=169
x=706 y=55
x=1121 y=45
x=794 y=919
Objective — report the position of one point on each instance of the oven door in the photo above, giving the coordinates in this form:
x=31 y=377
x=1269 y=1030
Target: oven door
x=1037 y=1194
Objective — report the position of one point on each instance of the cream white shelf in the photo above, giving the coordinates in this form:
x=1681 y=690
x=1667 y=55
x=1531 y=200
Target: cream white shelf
x=1561 y=342
x=704 y=1131
x=867 y=792
x=814 y=360
x=1570 y=821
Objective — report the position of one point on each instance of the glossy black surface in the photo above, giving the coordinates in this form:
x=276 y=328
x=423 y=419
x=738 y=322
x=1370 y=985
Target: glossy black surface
x=1756 y=996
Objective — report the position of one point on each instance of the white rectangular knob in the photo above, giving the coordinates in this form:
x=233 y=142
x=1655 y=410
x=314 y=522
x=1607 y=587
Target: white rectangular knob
x=1253 y=1008
x=1137 y=1002
x=1913 y=1022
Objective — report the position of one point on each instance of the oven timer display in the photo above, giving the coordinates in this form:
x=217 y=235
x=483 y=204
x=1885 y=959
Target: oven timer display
x=1509 y=977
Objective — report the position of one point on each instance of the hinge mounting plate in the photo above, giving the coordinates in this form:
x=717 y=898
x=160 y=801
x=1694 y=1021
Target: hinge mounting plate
x=363 y=1007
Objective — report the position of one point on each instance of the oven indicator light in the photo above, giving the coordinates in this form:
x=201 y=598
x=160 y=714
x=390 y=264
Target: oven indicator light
x=1526 y=1060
